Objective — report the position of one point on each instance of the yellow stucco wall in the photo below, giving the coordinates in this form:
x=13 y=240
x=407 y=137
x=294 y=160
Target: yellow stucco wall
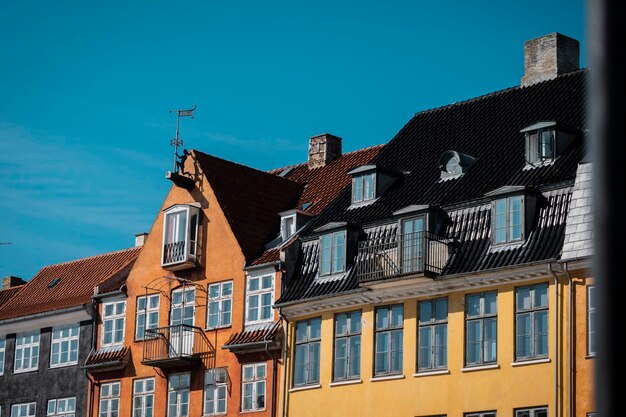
x=584 y=363
x=460 y=391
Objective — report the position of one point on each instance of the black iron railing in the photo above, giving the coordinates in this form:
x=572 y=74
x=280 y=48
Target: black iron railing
x=174 y=252
x=180 y=341
x=402 y=254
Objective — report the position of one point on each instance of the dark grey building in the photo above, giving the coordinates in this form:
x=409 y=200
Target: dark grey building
x=46 y=334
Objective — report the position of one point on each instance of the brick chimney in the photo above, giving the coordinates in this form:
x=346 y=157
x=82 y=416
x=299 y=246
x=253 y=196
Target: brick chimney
x=140 y=239
x=11 y=281
x=323 y=149
x=548 y=56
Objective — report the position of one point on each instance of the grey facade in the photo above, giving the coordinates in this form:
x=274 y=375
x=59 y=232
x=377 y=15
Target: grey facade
x=45 y=383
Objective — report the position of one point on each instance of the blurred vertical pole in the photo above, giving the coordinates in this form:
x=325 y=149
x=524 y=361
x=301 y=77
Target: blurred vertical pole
x=607 y=136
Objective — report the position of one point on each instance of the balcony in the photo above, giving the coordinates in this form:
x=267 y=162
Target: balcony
x=180 y=237
x=177 y=345
x=419 y=253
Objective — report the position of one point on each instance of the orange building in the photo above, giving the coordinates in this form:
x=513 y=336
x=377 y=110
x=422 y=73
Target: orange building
x=192 y=330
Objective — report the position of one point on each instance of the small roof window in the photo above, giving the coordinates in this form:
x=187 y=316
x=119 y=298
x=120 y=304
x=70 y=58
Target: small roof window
x=54 y=282
x=453 y=164
x=545 y=142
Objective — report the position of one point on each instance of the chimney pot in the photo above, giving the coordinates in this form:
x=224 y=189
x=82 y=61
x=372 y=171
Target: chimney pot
x=323 y=149
x=12 y=281
x=549 y=56
x=140 y=239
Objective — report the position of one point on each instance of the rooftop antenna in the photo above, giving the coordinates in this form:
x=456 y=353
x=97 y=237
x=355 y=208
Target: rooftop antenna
x=176 y=142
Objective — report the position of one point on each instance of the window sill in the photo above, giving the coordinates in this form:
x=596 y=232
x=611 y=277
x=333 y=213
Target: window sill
x=530 y=362
x=210 y=329
x=347 y=382
x=64 y=365
x=480 y=367
x=386 y=378
x=25 y=371
x=433 y=372
x=304 y=388
x=590 y=356
x=260 y=410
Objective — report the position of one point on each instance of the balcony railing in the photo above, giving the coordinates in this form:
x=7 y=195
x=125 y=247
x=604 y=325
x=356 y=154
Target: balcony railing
x=174 y=345
x=174 y=252
x=403 y=254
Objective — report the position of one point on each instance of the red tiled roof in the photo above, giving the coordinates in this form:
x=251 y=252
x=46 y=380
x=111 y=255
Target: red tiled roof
x=7 y=293
x=75 y=287
x=250 y=199
x=257 y=335
x=107 y=358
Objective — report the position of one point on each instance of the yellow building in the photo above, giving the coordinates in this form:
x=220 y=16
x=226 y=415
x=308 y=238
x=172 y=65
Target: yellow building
x=437 y=286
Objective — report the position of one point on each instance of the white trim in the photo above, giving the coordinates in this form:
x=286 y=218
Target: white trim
x=28 y=345
x=347 y=382
x=113 y=317
x=30 y=323
x=305 y=387
x=480 y=368
x=386 y=378
x=531 y=362
x=429 y=373
x=60 y=341
x=259 y=293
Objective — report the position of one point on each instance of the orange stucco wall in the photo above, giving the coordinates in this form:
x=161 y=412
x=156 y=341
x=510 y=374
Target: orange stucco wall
x=584 y=362
x=221 y=259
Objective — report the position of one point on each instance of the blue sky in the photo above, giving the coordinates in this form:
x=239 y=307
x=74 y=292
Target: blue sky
x=86 y=87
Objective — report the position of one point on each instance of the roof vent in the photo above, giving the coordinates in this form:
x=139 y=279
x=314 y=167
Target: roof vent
x=54 y=282
x=454 y=164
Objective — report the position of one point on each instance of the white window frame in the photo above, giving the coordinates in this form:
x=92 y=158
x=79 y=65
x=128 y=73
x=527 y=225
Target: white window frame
x=507 y=220
x=147 y=312
x=481 y=318
x=31 y=345
x=179 y=393
x=334 y=269
x=591 y=318
x=286 y=232
x=31 y=409
x=224 y=297
x=310 y=347
x=114 y=317
x=141 y=394
x=3 y=343
x=219 y=391
x=532 y=311
x=72 y=336
x=481 y=414
x=351 y=337
x=531 y=412
x=62 y=407
x=259 y=294
x=191 y=230
x=259 y=378
x=361 y=180
x=109 y=397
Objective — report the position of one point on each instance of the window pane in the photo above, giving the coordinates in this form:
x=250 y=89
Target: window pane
x=325 y=255
x=301 y=331
x=397 y=315
x=382 y=353
x=423 y=353
x=473 y=305
x=355 y=322
x=266 y=282
x=472 y=350
x=226 y=306
x=541 y=295
x=490 y=303
x=341 y=324
x=355 y=356
x=425 y=312
x=315 y=328
x=441 y=309
x=214 y=291
x=523 y=299
x=382 y=318
x=369 y=187
x=227 y=288
x=338 y=252
x=357 y=188
x=299 y=364
x=541 y=333
x=441 y=346
x=339 y=371
x=396 y=350
x=490 y=340
x=314 y=362
x=522 y=343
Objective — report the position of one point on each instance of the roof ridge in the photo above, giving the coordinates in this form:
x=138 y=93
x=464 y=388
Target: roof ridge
x=90 y=257
x=496 y=93
x=243 y=166
x=280 y=169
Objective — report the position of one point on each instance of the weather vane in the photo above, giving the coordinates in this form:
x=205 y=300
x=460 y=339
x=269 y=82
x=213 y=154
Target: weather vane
x=179 y=160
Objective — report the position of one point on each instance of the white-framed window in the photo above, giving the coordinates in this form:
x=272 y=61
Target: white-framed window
x=113 y=320
x=388 y=343
x=24 y=410
x=364 y=187
x=215 y=391
x=531 y=322
x=26 y=352
x=146 y=314
x=180 y=234
x=432 y=334
x=259 y=298
x=333 y=253
x=347 y=363
x=64 y=345
x=3 y=342
x=143 y=397
x=481 y=414
x=253 y=387
x=110 y=399
x=62 y=407
x=591 y=320
x=307 y=354
x=178 y=395
x=220 y=304
x=507 y=220
x=412 y=244
x=287 y=226
x=532 y=412
x=540 y=145
x=481 y=321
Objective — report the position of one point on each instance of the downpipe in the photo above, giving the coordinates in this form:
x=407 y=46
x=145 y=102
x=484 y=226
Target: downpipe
x=570 y=351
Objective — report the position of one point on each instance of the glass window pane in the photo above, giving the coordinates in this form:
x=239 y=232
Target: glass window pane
x=355 y=322
x=523 y=299
x=424 y=347
x=214 y=291
x=339 y=370
x=266 y=282
x=357 y=189
x=315 y=328
x=341 y=324
x=382 y=318
x=473 y=305
x=301 y=331
x=425 y=312
x=490 y=340
x=397 y=315
x=490 y=303
x=541 y=333
x=314 y=362
x=541 y=295
x=355 y=356
x=522 y=336
x=227 y=289
x=325 y=254
x=441 y=309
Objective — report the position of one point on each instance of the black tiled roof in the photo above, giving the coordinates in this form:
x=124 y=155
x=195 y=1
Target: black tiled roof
x=488 y=129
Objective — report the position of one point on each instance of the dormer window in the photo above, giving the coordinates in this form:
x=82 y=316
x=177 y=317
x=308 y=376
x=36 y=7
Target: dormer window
x=180 y=236
x=363 y=187
x=545 y=141
x=287 y=226
x=454 y=164
x=333 y=253
x=508 y=219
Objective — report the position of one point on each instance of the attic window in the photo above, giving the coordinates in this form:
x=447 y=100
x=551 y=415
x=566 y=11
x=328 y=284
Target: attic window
x=545 y=141
x=54 y=282
x=287 y=226
x=364 y=187
x=513 y=213
x=454 y=164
